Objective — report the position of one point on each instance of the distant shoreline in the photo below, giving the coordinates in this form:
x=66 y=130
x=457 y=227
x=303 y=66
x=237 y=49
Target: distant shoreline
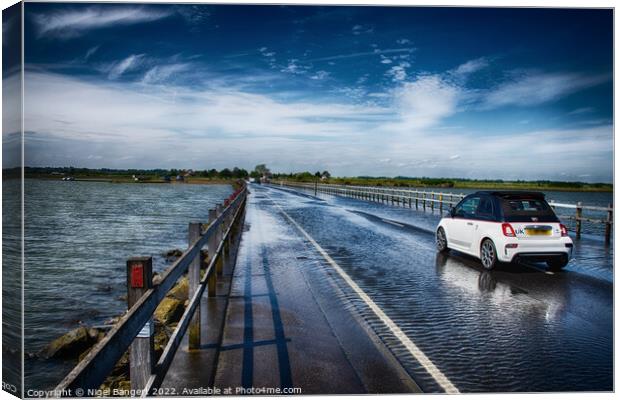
x=116 y=179
x=468 y=184
x=215 y=177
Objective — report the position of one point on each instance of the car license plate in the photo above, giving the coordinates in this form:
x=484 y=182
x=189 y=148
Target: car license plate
x=538 y=232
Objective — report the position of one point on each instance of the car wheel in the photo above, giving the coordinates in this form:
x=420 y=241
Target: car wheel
x=557 y=263
x=488 y=255
x=441 y=241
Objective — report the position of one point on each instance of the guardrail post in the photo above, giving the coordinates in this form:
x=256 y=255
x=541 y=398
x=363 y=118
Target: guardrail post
x=141 y=351
x=441 y=204
x=608 y=223
x=194 y=281
x=211 y=249
x=219 y=266
x=424 y=201
x=578 y=212
x=432 y=203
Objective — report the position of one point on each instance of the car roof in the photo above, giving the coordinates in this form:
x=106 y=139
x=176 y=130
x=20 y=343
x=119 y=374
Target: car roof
x=512 y=194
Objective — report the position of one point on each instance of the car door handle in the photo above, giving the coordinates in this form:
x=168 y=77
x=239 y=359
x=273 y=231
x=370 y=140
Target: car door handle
x=470 y=223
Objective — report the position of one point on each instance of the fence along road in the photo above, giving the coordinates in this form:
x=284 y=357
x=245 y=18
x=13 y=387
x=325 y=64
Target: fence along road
x=440 y=201
x=220 y=235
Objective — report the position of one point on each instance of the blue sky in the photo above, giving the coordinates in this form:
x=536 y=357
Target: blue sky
x=451 y=92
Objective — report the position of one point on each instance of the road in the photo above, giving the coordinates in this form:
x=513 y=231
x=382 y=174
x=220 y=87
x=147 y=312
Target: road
x=452 y=325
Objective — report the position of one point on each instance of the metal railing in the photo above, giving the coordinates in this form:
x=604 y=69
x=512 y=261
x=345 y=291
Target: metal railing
x=134 y=330
x=432 y=200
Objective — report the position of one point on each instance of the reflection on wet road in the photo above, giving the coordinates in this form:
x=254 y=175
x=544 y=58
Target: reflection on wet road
x=516 y=328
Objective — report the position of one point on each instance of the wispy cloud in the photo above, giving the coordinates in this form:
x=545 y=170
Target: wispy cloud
x=69 y=23
x=161 y=73
x=359 y=29
x=365 y=54
x=398 y=73
x=471 y=66
x=295 y=67
x=537 y=88
x=90 y=52
x=320 y=75
x=119 y=68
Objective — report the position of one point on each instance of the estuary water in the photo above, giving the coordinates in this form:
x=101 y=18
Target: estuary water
x=78 y=236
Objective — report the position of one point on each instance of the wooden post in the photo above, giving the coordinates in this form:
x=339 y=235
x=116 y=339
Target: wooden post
x=424 y=201
x=211 y=248
x=432 y=202
x=441 y=204
x=221 y=261
x=193 y=274
x=141 y=351
x=608 y=224
x=578 y=212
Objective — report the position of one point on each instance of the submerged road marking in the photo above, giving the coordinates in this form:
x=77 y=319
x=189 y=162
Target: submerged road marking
x=392 y=222
x=414 y=350
x=537 y=269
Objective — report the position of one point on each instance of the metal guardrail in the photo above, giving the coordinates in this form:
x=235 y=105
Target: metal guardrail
x=444 y=200
x=133 y=331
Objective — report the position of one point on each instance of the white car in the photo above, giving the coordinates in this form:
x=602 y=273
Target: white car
x=505 y=226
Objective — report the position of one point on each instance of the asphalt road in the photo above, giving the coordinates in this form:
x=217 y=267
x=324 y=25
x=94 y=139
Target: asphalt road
x=452 y=325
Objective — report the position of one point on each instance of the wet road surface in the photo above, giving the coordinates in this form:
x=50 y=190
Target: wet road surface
x=517 y=328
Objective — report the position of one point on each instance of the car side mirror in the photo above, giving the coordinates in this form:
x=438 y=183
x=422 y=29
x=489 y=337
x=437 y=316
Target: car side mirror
x=452 y=212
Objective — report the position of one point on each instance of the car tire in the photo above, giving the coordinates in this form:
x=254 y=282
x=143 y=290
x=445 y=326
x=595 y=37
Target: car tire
x=441 y=241
x=488 y=254
x=557 y=264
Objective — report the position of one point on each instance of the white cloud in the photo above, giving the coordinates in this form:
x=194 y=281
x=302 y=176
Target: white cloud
x=161 y=73
x=398 y=73
x=359 y=29
x=137 y=125
x=403 y=41
x=426 y=101
x=407 y=50
x=471 y=66
x=320 y=75
x=294 y=67
x=74 y=22
x=125 y=65
x=90 y=52
x=537 y=88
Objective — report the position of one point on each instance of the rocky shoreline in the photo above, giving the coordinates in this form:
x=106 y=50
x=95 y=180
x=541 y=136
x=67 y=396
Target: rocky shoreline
x=75 y=344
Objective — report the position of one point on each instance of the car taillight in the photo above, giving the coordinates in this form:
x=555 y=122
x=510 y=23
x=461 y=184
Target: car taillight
x=563 y=230
x=508 y=231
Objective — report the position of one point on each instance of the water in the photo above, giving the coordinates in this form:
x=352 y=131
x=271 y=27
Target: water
x=511 y=329
x=78 y=236
x=598 y=199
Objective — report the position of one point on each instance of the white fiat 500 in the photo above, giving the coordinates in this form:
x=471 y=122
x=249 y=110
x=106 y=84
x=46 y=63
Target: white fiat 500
x=504 y=227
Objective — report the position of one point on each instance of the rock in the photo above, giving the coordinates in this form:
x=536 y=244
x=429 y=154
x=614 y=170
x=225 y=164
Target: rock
x=93 y=333
x=180 y=291
x=113 y=382
x=173 y=254
x=169 y=310
x=160 y=339
x=69 y=345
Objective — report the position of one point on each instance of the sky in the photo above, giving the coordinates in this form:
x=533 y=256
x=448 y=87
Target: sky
x=380 y=91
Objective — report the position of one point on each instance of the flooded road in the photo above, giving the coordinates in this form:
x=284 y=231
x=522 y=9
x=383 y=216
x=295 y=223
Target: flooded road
x=517 y=328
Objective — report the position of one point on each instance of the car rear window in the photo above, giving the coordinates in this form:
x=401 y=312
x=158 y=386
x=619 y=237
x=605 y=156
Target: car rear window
x=527 y=210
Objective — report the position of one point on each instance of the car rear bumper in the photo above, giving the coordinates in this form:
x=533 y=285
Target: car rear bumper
x=536 y=250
